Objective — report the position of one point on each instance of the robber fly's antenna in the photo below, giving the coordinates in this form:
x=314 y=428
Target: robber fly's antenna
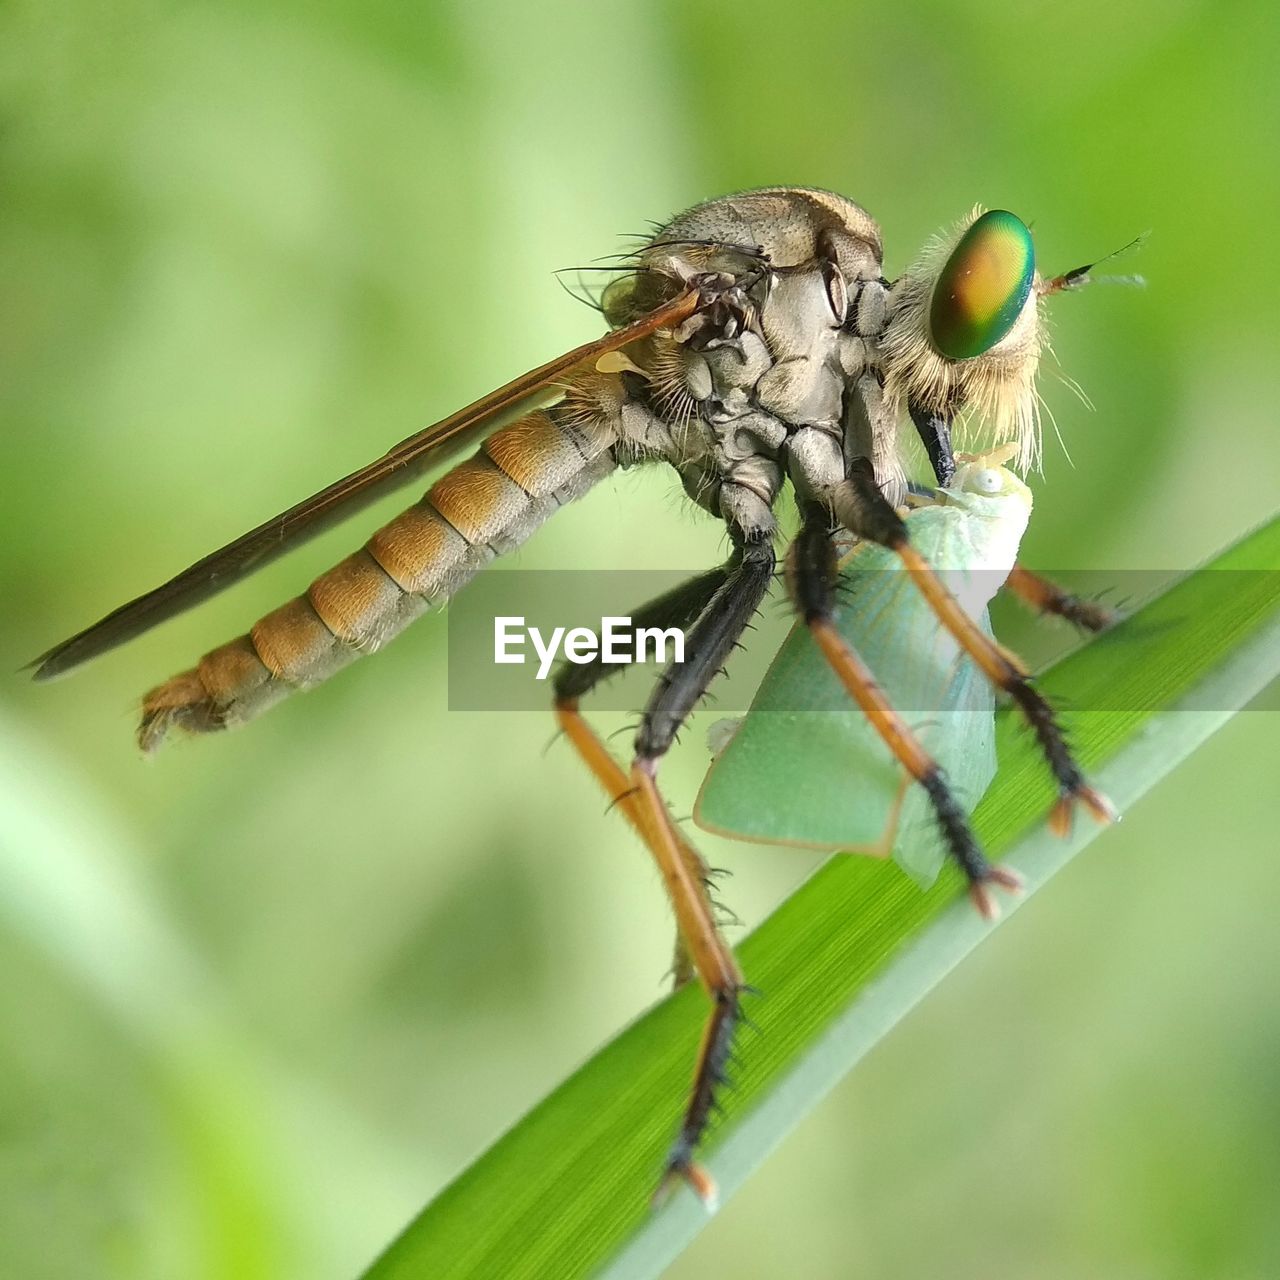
x=1081 y=276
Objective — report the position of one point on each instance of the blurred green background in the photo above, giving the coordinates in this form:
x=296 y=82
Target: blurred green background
x=262 y=997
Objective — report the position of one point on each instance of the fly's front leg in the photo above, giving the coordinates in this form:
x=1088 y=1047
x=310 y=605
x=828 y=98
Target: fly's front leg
x=723 y=602
x=812 y=574
x=935 y=434
x=862 y=509
x=1039 y=592
x=1045 y=596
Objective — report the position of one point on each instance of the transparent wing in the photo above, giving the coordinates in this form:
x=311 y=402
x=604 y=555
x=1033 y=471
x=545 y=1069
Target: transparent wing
x=404 y=462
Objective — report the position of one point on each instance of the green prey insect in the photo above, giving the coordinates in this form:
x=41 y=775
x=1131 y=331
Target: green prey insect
x=799 y=769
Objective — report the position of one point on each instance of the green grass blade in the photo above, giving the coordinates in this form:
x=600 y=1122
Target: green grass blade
x=565 y=1192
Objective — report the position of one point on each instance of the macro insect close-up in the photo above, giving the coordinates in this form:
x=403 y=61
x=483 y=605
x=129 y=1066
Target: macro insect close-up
x=843 y=482
x=754 y=341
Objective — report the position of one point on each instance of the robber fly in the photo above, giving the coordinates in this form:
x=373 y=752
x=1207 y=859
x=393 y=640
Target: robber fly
x=754 y=340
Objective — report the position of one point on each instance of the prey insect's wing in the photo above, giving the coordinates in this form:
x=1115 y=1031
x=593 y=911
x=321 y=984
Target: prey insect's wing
x=806 y=768
x=402 y=463
x=784 y=776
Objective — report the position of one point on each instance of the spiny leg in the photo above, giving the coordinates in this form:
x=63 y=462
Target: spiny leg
x=708 y=646
x=863 y=509
x=812 y=574
x=1045 y=596
x=701 y=943
x=699 y=948
x=729 y=603
x=678 y=607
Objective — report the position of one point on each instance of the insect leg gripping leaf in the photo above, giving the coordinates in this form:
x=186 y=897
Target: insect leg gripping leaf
x=805 y=768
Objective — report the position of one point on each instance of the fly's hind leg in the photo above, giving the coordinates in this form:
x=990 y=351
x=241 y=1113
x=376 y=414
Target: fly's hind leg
x=679 y=607
x=719 y=605
x=812 y=574
x=1045 y=596
x=864 y=510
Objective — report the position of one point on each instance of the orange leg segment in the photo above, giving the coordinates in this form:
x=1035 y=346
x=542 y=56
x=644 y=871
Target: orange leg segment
x=682 y=869
x=861 y=686
x=683 y=873
x=1046 y=596
x=1003 y=670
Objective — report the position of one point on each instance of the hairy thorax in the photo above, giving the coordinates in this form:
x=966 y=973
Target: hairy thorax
x=736 y=385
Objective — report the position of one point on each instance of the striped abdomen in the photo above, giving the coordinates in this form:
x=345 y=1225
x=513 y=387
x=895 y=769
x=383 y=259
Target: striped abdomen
x=483 y=507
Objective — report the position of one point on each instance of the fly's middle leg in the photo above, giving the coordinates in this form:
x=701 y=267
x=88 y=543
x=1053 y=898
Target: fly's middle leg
x=708 y=646
x=812 y=574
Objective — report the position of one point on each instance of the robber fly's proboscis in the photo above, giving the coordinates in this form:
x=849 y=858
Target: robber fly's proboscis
x=754 y=341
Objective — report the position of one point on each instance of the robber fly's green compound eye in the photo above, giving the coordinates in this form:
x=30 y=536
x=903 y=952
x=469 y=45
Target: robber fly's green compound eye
x=983 y=287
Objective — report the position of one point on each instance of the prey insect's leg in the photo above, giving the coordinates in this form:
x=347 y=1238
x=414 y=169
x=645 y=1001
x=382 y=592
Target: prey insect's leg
x=812 y=574
x=863 y=509
x=1045 y=596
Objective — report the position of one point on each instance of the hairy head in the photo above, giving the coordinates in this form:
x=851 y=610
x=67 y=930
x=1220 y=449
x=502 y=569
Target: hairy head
x=963 y=333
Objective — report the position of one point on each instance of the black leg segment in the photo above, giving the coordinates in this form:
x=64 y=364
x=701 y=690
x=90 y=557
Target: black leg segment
x=708 y=645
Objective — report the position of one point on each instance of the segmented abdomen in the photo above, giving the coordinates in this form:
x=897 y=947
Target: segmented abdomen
x=483 y=507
